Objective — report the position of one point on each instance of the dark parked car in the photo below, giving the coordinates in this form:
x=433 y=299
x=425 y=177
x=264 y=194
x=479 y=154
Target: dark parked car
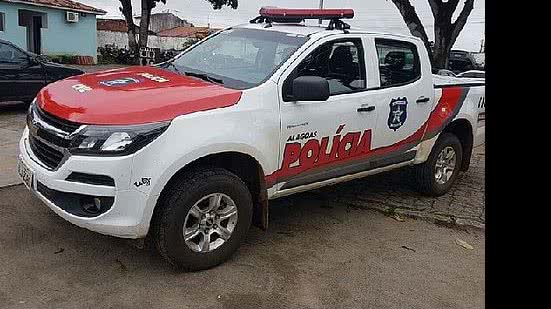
x=461 y=61
x=23 y=74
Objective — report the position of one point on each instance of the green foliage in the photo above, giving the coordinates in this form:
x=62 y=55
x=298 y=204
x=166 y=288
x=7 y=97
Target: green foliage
x=114 y=55
x=63 y=59
x=189 y=43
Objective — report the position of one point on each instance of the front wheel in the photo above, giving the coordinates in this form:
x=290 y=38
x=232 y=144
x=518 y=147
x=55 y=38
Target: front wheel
x=203 y=217
x=436 y=176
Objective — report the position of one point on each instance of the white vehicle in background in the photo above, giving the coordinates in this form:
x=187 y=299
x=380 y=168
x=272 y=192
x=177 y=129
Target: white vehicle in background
x=473 y=74
x=189 y=153
x=444 y=72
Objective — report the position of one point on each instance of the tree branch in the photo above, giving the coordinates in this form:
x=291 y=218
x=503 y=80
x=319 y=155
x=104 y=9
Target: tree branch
x=453 y=4
x=458 y=25
x=413 y=22
x=126 y=11
x=435 y=6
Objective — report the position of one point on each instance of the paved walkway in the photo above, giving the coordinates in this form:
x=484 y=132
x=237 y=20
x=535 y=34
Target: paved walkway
x=12 y=123
x=392 y=193
x=316 y=254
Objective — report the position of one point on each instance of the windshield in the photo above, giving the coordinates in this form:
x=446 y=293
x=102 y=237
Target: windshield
x=238 y=58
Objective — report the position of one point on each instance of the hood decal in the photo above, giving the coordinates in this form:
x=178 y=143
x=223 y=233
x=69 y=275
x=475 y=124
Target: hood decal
x=119 y=82
x=132 y=95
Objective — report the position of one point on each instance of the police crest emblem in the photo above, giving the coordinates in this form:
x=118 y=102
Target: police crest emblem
x=398 y=113
x=119 y=82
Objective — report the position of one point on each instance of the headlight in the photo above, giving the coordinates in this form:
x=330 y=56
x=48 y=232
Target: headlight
x=31 y=106
x=115 y=140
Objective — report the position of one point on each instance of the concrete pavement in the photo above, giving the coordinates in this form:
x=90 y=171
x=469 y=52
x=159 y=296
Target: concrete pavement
x=12 y=123
x=316 y=254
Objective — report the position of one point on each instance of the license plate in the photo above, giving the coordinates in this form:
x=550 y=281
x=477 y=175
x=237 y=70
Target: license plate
x=25 y=173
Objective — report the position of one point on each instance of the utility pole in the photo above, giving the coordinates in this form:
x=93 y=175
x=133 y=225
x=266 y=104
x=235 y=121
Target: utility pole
x=321 y=7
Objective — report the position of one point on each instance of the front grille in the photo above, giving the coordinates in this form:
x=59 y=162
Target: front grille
x=48 y=136
x=46 y=154
x=57 y=122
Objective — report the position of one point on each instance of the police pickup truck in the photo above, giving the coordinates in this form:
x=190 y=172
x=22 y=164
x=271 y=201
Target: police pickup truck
x=189 y=152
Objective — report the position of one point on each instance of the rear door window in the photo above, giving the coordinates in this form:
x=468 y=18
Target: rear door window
x=398 y=62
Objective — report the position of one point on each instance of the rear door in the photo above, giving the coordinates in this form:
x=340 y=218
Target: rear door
x=320 y=139
x=404 y=95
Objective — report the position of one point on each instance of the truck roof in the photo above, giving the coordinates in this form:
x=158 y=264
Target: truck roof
x=313 y=29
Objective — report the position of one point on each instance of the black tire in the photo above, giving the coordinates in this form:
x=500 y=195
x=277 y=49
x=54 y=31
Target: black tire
x=425 y=173
x=175 y=204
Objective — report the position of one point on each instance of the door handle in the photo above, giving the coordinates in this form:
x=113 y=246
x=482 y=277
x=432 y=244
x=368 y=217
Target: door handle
x=423 y=100
x=366 y=109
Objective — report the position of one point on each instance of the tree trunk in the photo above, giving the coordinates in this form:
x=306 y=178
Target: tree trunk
x=126 y=10
x=445 y=32
x=441 y=49
x=413 y=22
x=144 y=22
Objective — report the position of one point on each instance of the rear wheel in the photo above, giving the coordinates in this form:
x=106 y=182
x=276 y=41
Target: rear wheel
x=204 y=216
x=436 y=176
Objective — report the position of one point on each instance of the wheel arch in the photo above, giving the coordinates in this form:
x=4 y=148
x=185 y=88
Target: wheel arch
x=463 y=129
x=244 y=165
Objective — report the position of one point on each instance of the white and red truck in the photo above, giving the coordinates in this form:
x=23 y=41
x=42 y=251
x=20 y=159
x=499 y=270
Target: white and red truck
x=189 y=152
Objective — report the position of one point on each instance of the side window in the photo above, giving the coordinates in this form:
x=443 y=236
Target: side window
x=398 y=62
x=340 y=62
x=10 y=55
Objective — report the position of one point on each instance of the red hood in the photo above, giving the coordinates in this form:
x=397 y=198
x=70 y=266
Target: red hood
x=147 y=94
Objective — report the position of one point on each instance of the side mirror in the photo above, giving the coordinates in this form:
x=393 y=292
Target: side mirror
x=310 y=88
x=32 y=61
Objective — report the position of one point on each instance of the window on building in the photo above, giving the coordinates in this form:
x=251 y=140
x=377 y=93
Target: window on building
x=398 y=62
x=340 y=62
x=2 y=18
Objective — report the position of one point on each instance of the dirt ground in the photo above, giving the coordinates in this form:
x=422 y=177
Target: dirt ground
x=316 y=254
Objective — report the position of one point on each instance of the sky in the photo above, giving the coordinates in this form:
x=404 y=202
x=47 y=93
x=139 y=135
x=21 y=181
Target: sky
x=372 y=15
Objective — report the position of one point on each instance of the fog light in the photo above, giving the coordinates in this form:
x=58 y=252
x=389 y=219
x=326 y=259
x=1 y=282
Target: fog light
x=91 y=205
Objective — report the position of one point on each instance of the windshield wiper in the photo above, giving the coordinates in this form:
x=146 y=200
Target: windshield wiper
x=205 y=77
x=175 y=67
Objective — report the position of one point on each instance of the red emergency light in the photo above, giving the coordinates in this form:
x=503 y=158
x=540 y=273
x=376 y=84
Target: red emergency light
x=300 y=14
x=283 y=15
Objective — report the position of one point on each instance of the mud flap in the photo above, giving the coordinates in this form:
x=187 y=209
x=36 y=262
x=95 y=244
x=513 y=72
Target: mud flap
x=260 y=215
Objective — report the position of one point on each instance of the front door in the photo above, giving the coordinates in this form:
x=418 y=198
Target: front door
x=321 y=140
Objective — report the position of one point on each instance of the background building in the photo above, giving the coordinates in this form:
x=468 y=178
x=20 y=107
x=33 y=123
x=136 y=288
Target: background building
x=51 y=27
x=165 y=20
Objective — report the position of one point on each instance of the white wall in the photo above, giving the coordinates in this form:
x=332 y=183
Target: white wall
x=120 y=39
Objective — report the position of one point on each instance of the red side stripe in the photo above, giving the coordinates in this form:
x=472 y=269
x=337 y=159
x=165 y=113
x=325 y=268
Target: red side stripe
x=446 y=108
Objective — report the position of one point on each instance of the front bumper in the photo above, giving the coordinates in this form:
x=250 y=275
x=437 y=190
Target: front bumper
x=125 y=218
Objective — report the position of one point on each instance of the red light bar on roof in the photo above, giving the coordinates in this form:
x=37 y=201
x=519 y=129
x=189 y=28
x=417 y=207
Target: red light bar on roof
x=294 y=14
